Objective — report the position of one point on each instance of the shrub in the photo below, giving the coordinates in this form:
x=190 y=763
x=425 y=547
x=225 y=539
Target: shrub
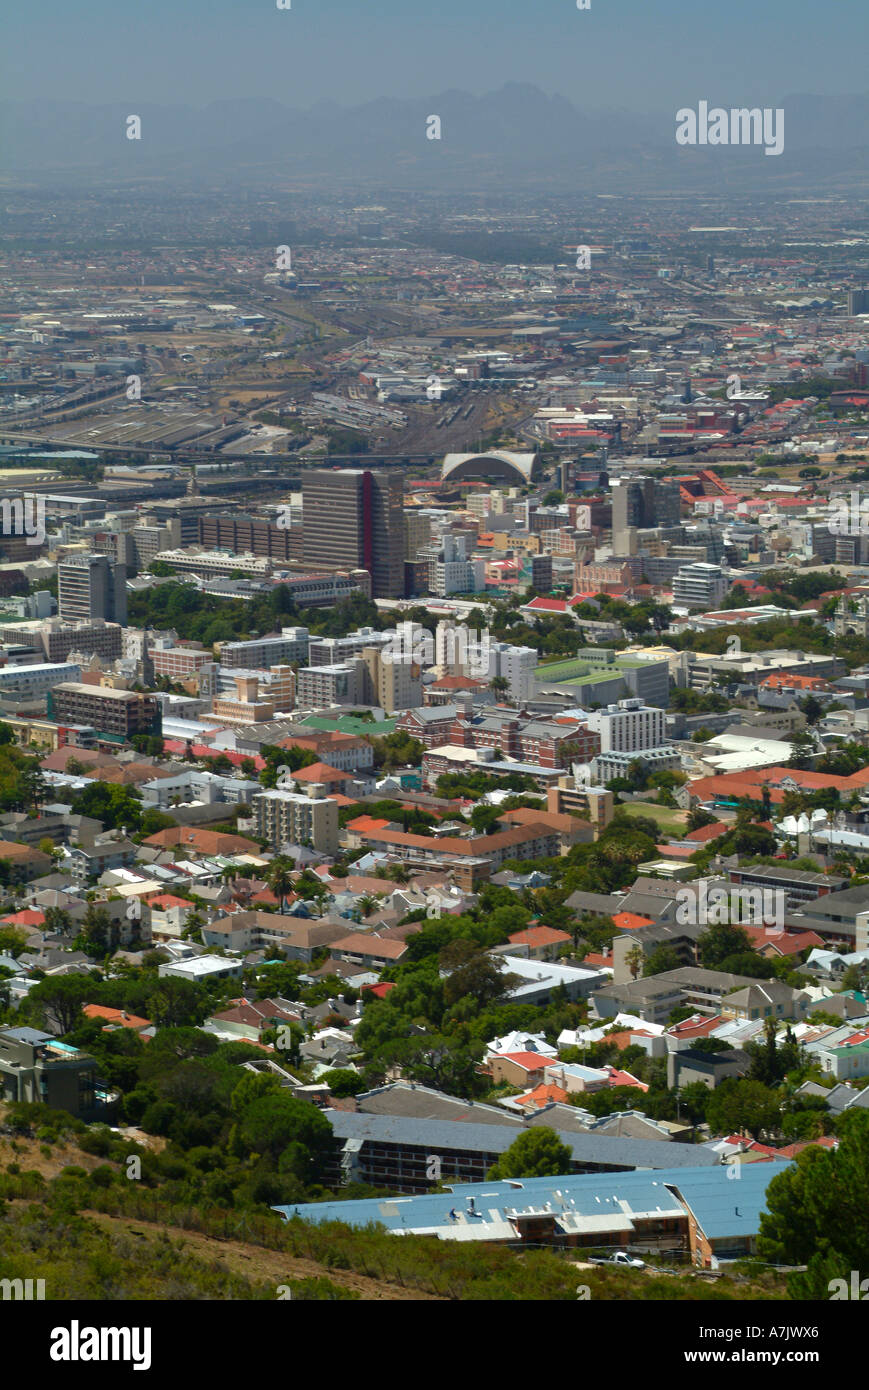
x=97 y=1142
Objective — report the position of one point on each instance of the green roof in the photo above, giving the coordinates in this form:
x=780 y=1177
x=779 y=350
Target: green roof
x=579 y=671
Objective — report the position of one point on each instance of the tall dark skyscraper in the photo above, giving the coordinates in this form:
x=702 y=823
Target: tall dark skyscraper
x=645 y=502
x=92 y=586
x=858 y=302
x=353 y=518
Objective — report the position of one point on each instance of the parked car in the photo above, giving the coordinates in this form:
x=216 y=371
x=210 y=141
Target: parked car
x=621 y=1257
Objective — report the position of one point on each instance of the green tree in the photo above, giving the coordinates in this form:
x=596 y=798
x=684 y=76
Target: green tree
x=280 y=879
x=741 y=1106
x=816 y=1212
x=343 y=1081
x=721 y=940
x=60 y=998
x=12 y=941
x=99 y=935
x=661 y=959
x=293 y=1133
x=803 y=750
x=634 y=959
x=538 y=1153
x=473 y=974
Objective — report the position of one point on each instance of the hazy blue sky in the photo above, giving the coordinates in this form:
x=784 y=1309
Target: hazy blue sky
x=636 y=54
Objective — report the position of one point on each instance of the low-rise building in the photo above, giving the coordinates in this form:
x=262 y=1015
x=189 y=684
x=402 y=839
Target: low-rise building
x=119 y=714
x=34 y=1066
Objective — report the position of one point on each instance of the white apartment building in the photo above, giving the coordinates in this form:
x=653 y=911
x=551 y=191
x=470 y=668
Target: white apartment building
x=629 y=726
x=193 y=785
x=332 y=651
x=319 y=687
x=450 y=570
x=291 y=818
x=209 y=562
x=518 y=665
x=292 y=645
x=478 y=504
x=700 y=585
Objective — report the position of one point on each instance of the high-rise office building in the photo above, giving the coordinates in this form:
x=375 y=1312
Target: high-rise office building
x=643 y=502
x=91 y=586
x=353 y=518
x=417 y=533
x=858 y=302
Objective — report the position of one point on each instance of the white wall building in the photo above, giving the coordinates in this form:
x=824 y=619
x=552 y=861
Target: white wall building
x=629 y=726
x=518 y=665
x=700 y=585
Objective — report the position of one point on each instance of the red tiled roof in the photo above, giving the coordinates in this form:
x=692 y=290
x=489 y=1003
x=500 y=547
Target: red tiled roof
x=626 y=1037
x=787 y=943
x=364 y=823
x=597 y=959
x=630 y=921
x=119 y=1016
x=544 y=1094
x=624 y=1078
x=321 y=772
x=548 y=605
x=780 y=680
x=381 y=990
x=750 y=783
x=539 y=936
x=826 y=1141
x=705 y=833
x=27 y=917
x=695 y=1027
x=529 y=1061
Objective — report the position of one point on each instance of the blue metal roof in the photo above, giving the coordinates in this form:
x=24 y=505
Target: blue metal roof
x=725 y=1207
x=728 y=1206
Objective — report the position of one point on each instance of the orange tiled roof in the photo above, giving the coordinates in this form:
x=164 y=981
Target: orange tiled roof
x=543 y=1095
x=539 y=936
x=118 y=1016
x=630 y=921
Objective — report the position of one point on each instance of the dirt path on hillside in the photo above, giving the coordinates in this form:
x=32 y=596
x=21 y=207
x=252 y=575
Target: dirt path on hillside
x=259 y=1264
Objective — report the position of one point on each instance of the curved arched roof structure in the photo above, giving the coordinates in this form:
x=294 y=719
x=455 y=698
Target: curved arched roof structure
x=498 y=465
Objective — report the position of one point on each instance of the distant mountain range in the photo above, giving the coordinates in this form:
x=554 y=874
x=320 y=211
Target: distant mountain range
x=515 y=136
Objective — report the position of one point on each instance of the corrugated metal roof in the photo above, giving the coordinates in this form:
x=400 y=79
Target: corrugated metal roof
x=591 y=1202
x=457 y=1134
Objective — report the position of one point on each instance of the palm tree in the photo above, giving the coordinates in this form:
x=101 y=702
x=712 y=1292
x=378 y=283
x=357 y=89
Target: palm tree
x=319 y=892
x=634 y=960
x=367 y=903
x=280 y=879
x=499 y=685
